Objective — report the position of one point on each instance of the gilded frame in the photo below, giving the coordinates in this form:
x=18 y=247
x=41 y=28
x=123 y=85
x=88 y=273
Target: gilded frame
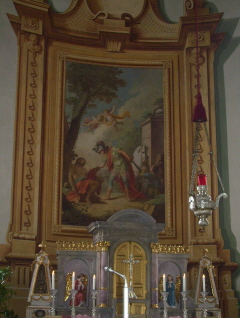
x=59 y=55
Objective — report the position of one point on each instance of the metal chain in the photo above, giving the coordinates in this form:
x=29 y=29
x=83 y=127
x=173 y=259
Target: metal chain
x=195 y=157
x=211 y=153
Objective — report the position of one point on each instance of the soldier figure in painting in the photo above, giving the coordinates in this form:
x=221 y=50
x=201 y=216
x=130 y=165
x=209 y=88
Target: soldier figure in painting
x=118 y=163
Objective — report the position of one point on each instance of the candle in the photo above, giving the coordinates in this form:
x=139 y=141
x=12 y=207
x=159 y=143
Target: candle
x=53 y=280
x=164 y=282
x=203 y=283
x=202 y=179
x=73 y=280
x=94 y=282
x=184 y=282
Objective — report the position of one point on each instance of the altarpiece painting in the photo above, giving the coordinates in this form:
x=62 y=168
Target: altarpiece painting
x=113 y=142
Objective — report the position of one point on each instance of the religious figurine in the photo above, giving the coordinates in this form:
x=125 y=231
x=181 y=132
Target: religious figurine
x=80 y=286
x=172 y=288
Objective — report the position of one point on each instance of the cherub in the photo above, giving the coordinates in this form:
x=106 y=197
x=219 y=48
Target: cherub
x=94 y=122
x=111 y=120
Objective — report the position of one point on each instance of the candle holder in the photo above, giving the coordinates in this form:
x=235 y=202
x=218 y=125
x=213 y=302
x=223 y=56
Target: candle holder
x=53 y=295
x=94 y=296
x=164 y=294
x=204 y=296
x=73 y=311
x=184 y=298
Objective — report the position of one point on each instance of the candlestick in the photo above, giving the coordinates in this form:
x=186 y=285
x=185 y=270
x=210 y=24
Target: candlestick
x=53 y=295
x=165 y=294
x=53 y=280
x=73 y=294
x=73 y=280
x=203 y=283
x=94 y=282
x=164 y=282
x=94 y=310
x=184 y=282
x=184 y=297
x=204 y=296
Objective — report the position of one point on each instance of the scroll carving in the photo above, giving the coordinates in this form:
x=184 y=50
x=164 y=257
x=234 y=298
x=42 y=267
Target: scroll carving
x=34 y=48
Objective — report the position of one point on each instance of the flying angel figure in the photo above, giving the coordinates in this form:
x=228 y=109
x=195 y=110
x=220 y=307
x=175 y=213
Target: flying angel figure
x=110 y=119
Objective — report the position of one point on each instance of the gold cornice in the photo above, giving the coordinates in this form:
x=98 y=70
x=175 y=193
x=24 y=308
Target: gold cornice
x=75 y=246
x=82 y=246
x=171 y=249
x=102 y=246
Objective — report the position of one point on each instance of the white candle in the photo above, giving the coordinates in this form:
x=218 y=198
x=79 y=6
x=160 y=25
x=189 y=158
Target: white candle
x=203 y=283
x=73 y=280
x=94 y=282
x=53 y=280
x=164 y=282
x=184 y=282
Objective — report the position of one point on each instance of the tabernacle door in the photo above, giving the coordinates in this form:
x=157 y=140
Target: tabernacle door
x=130 y=260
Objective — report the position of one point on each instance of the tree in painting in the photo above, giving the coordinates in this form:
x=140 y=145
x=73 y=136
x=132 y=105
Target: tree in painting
x=86 y=84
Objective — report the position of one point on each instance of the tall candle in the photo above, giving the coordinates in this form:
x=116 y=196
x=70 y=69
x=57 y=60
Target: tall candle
x=184 y=282
x=73 y=280
x=164 y=282
x=203 y=283
x=94 y=282
x=53 y=280
x=202 y=179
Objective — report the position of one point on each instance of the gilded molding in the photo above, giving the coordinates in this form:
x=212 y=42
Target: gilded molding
x=155 y=306
x=103 y=305
x=102 y=246
x=171 y=249
x=75 y=246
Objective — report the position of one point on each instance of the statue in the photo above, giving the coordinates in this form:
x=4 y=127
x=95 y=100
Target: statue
x=80 y=286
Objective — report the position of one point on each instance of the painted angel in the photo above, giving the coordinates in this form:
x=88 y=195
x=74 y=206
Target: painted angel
x=94 y=122
x=110 y=119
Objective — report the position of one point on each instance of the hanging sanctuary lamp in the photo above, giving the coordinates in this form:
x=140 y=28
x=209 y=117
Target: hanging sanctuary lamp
x=201 y=203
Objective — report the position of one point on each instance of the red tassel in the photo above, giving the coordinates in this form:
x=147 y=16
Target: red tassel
x=199 y=114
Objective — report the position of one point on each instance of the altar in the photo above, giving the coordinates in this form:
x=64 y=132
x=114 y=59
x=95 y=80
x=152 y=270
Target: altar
x=128 y=244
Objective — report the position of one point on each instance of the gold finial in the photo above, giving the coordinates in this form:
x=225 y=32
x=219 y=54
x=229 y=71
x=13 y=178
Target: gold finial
x=42 y=247
x=205 y=251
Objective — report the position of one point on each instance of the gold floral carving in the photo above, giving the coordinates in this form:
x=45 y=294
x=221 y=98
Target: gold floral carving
x=102 y=246
x=171 y=249
x=75 y=246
